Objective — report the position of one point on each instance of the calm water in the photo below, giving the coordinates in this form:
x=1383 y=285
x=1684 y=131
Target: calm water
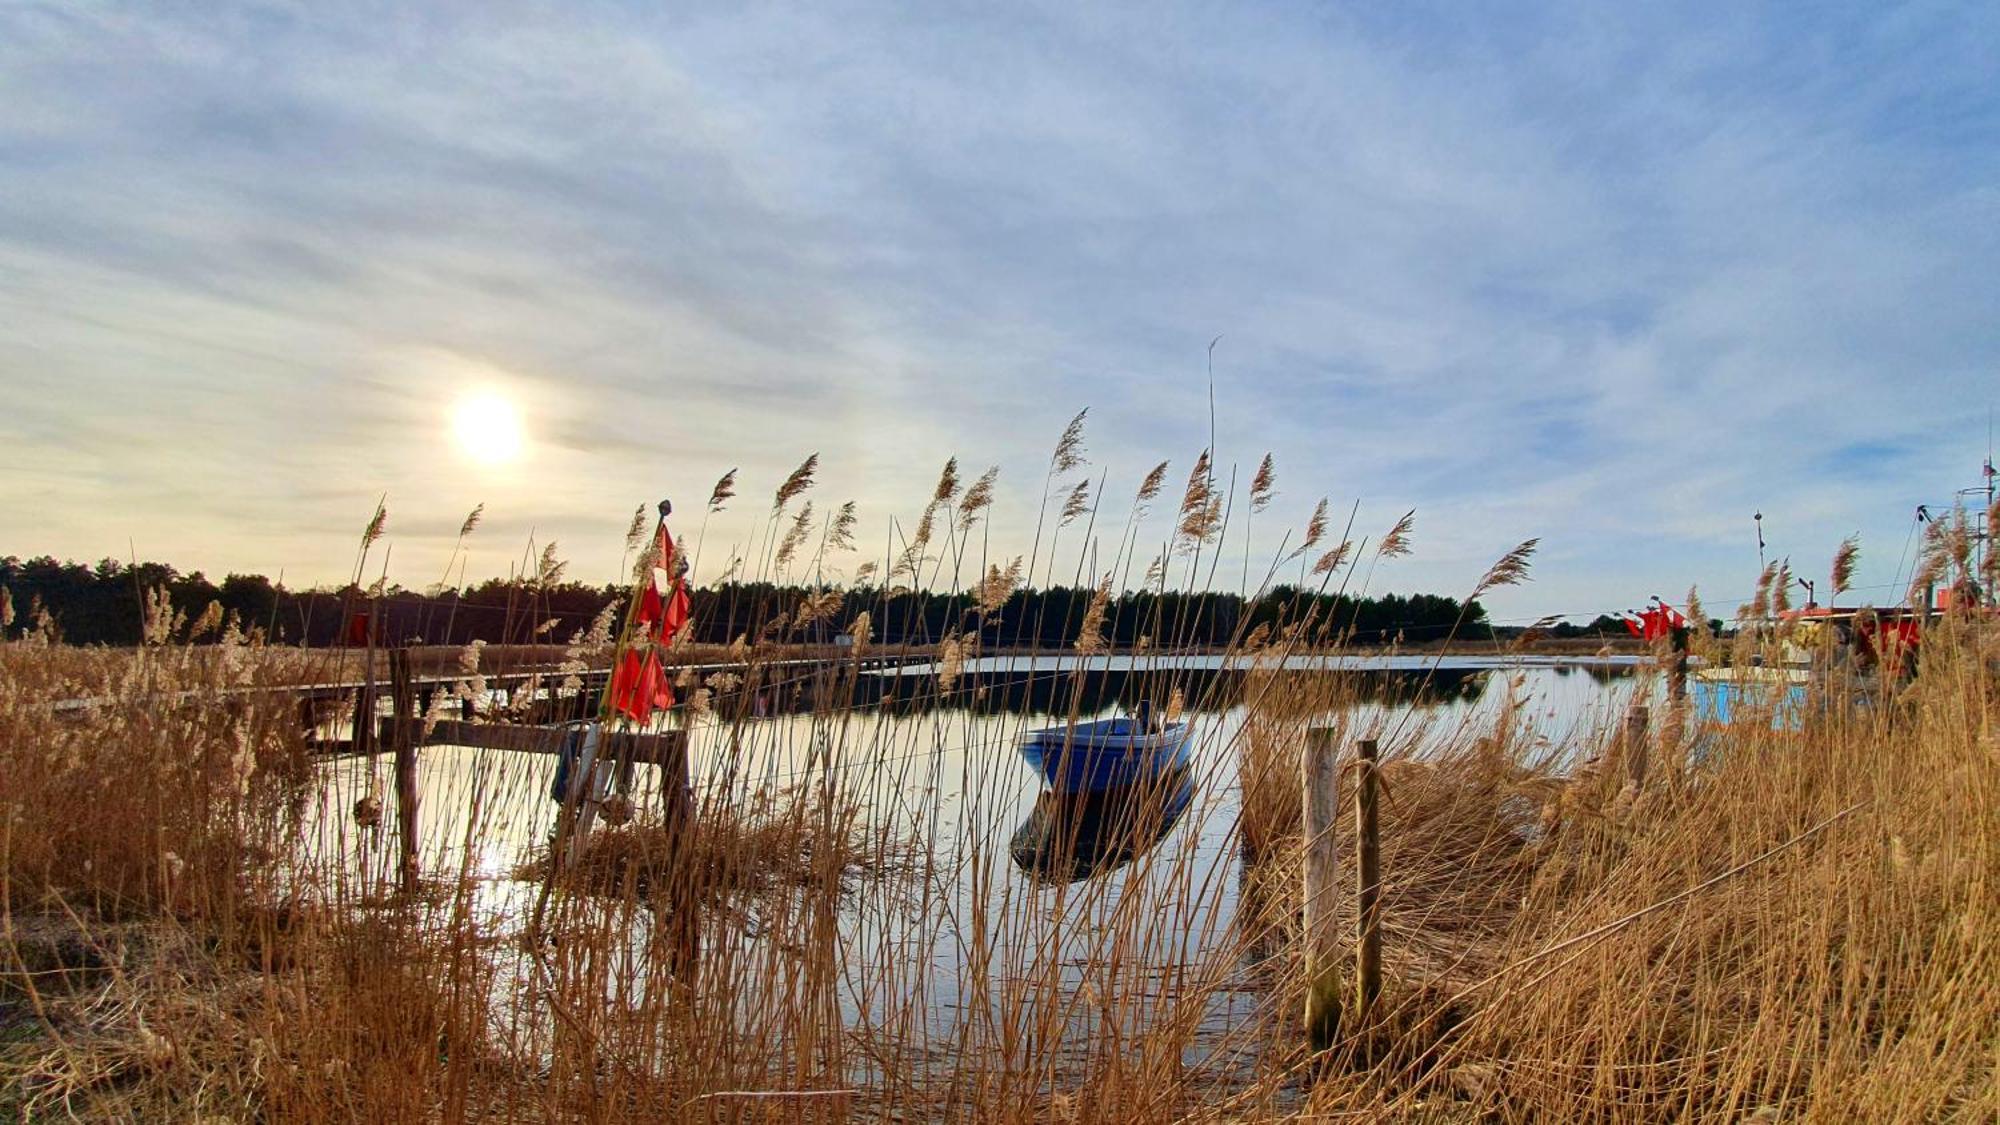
x=943 y=941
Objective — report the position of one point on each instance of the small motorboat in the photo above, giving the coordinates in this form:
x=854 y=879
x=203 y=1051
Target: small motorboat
x=1107 y=753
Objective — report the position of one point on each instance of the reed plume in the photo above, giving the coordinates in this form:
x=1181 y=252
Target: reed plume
x=1843 y=564
x=1931 y=562
x=1090 y=636
x=1201 y=507
x=952 y=653
x=1315 y=530
x=862 y=629
x=1263 y=486
x=998 y=585
x=472 y=519
x=977 y=499
x=1150 y=488
x=1075 y=504
x=724 y=489
x=1697 y=614
x=376 y=524
x=1332 y=560
x=795 y=535
x=1510 y=570
x=800 y=480
x=1069 y=449
x=549 y=569
x=1990 y=569
x=1781 y=589
x=1759 y=607
x=1396 y=544
x=635 y=532
x=947 y=484
x=840 y=534
x=817 y=607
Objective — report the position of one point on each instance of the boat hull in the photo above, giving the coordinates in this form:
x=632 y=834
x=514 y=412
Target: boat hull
x=1107 y=754
x=1749 y=697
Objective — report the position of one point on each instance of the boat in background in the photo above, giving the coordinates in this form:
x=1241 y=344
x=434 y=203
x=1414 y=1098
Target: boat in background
x=1108 y=753
x=1806 y=654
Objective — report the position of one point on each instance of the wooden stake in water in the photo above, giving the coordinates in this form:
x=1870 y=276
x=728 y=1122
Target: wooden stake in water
x=403 y=740
x=1368 y=837
x=1320 y=778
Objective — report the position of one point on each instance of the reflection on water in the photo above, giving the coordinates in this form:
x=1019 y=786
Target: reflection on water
x=1052 y=685
x=1071 y=836
x=926 y=961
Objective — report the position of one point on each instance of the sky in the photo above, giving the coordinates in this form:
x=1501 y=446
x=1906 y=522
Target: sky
x=1611 y=277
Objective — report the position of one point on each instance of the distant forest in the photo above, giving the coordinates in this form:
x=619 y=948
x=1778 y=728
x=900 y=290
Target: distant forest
x=102 y=604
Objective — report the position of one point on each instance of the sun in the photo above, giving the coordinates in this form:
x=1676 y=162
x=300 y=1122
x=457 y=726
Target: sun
x=487 y=428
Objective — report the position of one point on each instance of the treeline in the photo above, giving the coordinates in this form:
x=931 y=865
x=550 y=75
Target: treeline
x=108 y=604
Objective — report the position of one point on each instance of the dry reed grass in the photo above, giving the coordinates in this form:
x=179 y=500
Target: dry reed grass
x=1774 y=926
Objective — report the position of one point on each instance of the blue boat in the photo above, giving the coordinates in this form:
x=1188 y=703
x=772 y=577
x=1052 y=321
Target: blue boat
x=1774 y=697
x=1107 y=753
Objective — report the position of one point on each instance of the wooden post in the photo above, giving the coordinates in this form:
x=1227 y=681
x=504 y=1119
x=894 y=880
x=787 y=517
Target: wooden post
x=403 y=741
x=1677 y=676
x=1368 y=836
x=677 y=795
x=1321 y=780
x=1636 y=746
x=363 y=740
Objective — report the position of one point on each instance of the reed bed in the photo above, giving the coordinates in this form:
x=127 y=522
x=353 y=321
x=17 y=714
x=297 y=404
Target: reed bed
x=1775 y=926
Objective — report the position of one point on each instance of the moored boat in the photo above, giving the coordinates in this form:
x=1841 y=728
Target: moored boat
x=1108 y=752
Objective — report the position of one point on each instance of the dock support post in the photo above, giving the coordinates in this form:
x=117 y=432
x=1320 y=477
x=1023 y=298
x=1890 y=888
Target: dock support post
x=1367 y=832
x=1320 y=781
x=364 y=740
x=1636 y=747
x=403 y=740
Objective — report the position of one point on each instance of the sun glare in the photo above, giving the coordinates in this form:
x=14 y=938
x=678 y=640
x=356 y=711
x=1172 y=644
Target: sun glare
x=487 y=428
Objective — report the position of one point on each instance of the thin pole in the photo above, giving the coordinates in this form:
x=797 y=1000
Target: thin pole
x=1367 y=828
x=403 y=739
x=1320 y=780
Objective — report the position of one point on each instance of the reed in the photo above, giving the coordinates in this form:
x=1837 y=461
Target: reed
x=1778 y=926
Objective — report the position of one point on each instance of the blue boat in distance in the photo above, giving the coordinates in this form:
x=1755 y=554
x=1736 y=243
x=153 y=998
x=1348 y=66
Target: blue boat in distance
x=1107 y=753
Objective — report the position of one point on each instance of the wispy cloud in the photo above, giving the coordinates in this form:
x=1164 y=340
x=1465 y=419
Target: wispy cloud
x=1612 y=278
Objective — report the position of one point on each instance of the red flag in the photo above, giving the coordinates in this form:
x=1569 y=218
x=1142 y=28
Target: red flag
x=650 y=607
x=640 y=687
x=1633 y=626
x=666 y=549
x=1652 y=624
x=674 y=616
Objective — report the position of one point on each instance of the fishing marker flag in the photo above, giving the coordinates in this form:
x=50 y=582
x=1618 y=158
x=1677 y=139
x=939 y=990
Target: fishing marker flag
x=663 y=606
x=1655 y=623
x=639 y=684
x=640 y=687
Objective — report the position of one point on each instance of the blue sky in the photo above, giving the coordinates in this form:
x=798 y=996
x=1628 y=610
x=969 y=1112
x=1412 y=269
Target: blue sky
x=1612 y=277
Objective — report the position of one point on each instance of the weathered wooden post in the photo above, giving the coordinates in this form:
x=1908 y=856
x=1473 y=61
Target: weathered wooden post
x=363 y=740
x=1368 y=836
x=1321 y=782
x=1677 y=675
x=1636 y=747
x=403 y=736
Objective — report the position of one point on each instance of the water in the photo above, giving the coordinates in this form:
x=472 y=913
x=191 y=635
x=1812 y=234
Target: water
x=927 y=955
